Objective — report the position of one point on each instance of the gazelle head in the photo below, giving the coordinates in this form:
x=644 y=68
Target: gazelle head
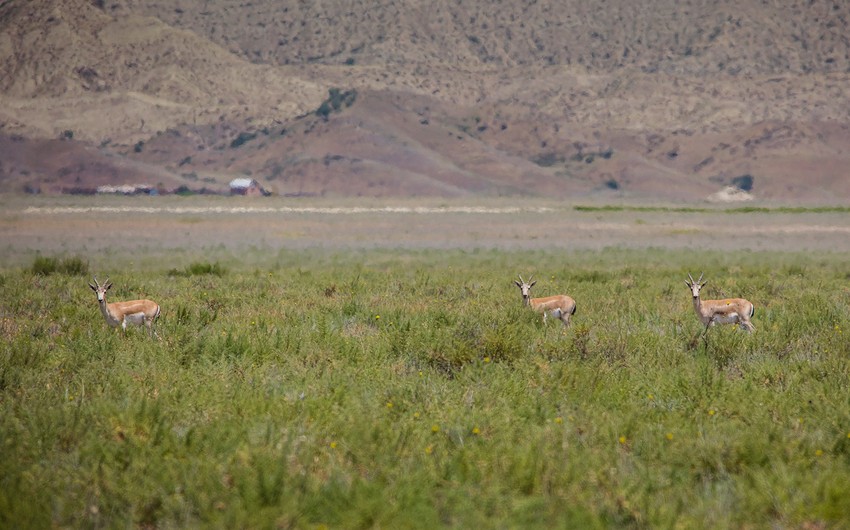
x=100 y=290
x=525 y=286
x=695 y=286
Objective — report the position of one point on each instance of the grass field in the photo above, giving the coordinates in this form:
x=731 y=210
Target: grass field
x=360 y=387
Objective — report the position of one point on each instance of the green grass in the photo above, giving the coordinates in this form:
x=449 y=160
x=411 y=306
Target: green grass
x=698 y=209
x=398 y=390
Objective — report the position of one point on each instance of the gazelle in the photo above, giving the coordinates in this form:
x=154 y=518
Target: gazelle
x=133 y=312
x=559 y=306
x=726 y=311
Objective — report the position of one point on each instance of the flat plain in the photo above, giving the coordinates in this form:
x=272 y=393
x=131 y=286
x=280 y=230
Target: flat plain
x=248 y=231
x=359 y=364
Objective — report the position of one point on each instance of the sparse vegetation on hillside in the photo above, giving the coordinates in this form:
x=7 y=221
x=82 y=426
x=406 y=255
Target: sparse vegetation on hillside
x=684 y=91
x=669 y=36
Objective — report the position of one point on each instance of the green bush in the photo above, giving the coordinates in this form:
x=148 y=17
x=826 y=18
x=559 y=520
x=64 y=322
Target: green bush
x=243 y=138
x=71 y=266
x=337 y=99
x=200 y=269
x=743 y=182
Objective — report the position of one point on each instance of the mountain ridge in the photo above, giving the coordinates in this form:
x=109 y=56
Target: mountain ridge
x=649 y=99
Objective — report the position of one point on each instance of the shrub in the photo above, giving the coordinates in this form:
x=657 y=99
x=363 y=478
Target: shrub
x=243 y=138
x=72 y=266
x=200 y=269
x=743 y=182
x=44 y=265
x=336 y=101
x=548 y=159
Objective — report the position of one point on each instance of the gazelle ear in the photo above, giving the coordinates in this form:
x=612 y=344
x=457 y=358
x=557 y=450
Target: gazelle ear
x=518 y=284
x=93 y=288
x=532 y=283
x=108 y=286
x=703 y=284
x=688 y=283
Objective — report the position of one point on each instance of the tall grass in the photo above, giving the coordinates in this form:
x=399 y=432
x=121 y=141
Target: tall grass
x=389 y=389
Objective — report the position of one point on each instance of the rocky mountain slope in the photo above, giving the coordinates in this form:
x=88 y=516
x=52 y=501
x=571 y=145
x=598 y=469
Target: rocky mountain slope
x=649 y=99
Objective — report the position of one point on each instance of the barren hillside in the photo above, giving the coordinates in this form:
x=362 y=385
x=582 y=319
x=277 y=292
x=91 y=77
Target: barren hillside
x=653 y=99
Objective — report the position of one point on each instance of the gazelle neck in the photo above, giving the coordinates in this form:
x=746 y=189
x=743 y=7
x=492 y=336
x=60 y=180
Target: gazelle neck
x=104 y=308
x=697 y=305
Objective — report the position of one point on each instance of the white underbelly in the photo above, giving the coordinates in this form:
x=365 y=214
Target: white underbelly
x=136 y=319
x=731 y=318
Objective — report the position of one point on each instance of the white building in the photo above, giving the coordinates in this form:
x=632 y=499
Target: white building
x=246 y=186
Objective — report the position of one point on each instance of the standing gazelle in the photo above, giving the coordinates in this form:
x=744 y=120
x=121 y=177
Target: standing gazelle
x=726 y=311
x=559 y=306
x=132 y=312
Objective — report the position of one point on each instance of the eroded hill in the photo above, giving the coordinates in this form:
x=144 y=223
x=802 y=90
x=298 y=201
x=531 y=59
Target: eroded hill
x=653 y=99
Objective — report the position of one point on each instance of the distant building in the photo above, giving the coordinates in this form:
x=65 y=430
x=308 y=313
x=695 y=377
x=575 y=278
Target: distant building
x=245 y=186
